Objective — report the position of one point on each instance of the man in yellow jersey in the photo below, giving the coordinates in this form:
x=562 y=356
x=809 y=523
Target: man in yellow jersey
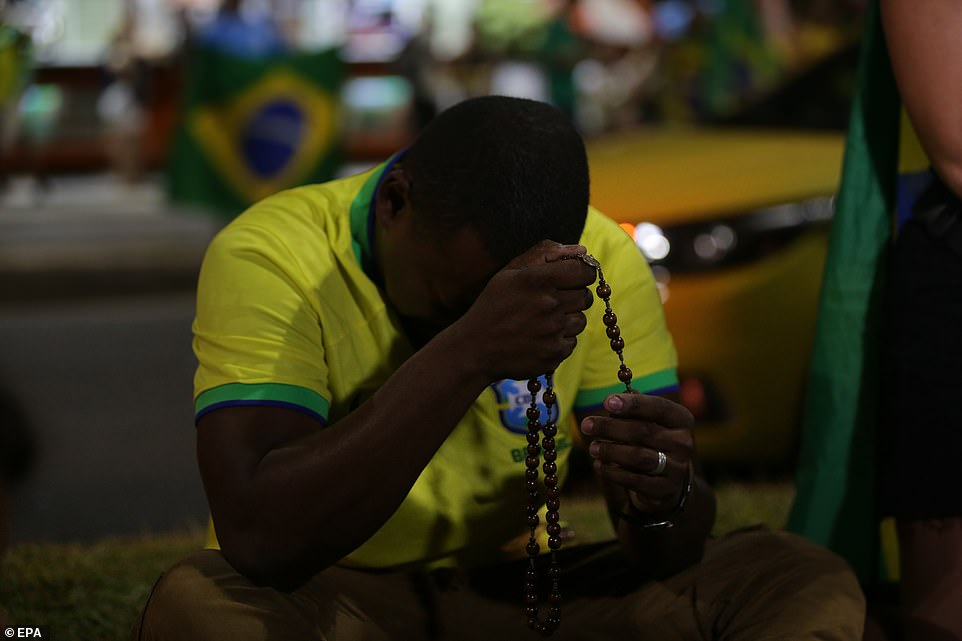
x=364 y=347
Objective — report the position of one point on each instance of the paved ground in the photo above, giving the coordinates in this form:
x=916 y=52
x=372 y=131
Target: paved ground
x=96 y=300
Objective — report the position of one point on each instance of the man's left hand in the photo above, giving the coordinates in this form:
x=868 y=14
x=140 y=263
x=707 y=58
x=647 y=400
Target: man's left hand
x=625 y=448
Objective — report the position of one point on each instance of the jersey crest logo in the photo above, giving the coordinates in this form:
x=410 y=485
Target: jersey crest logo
x=513 y=402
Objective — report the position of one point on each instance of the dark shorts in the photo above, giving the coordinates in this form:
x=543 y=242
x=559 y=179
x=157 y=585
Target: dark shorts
x=920 y=438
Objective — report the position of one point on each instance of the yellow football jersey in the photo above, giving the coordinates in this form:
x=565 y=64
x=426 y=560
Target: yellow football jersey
x=288 y=316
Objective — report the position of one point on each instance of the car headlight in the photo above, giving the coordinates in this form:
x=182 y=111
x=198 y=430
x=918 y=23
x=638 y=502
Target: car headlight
x=728 y=241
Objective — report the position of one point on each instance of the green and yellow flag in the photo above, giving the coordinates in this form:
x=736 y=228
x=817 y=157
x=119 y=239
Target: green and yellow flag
x=836 y=498
x=251 y=128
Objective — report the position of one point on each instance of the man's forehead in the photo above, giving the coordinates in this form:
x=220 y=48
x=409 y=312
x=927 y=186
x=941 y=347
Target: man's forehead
x=464 y=256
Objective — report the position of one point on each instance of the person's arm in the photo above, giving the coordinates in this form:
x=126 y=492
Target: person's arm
x=625 y=454
x=923 y=42
x=289 y=499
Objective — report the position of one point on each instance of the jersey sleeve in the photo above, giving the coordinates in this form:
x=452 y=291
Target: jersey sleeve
x=257 y=338
x=649 y=351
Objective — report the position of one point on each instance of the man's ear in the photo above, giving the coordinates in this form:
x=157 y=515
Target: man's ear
x=392 y=199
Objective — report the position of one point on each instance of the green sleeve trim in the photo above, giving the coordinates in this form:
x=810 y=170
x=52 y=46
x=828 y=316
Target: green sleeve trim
x=662 y=380
x=280 y=394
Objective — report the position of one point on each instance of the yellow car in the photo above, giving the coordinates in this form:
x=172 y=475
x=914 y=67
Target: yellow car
x=734 y=224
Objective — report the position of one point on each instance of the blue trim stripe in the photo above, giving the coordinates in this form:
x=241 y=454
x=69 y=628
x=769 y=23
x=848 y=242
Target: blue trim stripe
x=260 y=403
x=654 y=392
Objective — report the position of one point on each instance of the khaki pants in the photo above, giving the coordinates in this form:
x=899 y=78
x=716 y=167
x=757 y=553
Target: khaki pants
x=751 y=586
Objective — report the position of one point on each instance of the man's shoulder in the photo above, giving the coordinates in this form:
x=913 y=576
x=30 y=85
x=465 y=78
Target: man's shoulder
x=605 y=238
x=299 y=222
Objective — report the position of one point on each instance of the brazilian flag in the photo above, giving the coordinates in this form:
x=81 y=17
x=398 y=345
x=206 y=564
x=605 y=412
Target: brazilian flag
x=835 y=504
x=251 y=128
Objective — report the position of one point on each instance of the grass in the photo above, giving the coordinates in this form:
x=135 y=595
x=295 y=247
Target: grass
x=95 y=591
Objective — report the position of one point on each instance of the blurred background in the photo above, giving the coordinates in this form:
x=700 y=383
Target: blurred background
x=132 y=130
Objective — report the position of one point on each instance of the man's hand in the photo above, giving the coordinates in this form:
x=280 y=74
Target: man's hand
x=625 y=448
x=526 y=320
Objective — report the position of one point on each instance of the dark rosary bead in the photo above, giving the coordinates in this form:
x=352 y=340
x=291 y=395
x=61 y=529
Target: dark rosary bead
x=532 y=574
x=555 y=611
x=552 y=516
x=548 y=443
x=533 y=413
x=554 y=542
x=531 y=509
x=550 y=468
x=534 y=386
x=553 y=493
x=534 y=500
x=531 y=598
x=554 y=571
x=533 y=520
x=624 y=375
x=550 y=430
x=534 y=427
x=531 y=474
x=603 y=290
x=555 y=596
x=550 y=455
x=554 y=529
x=609 y=319
x=549 y=397
x=530 y=588
x=551 y=480
x=532 y=623
x=553 y=622
x=533 y=437
x=531 y=485
x=617 y=344
x=531 y=611
x=553 y=504
x=544 y=630
x=613 y=331
x=533 y=548
x=531 y=461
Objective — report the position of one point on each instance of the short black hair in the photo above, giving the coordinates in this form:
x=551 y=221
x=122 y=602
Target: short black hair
x=513 y=168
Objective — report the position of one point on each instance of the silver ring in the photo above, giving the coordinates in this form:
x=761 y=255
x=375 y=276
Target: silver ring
x=662 y=464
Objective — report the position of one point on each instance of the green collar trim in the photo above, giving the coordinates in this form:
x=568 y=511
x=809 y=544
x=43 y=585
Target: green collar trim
x=362 y=218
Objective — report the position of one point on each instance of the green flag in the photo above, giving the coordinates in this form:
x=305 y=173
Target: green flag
x=251 y=128
x=835 y=502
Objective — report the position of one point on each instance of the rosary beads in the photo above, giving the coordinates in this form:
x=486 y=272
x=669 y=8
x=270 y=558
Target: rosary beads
x=546 y=435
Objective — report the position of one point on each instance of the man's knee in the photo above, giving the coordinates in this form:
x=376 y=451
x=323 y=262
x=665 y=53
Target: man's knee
x=796 y=584
x=198 y=598
x=797 y=563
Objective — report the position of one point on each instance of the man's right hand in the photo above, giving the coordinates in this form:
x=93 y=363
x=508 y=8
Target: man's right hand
x=526 y=320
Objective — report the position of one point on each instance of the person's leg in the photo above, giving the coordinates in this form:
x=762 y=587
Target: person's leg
x=750 y=586
x=762 y=585
x=920 y=436
x=203 y=598
x=930 y=554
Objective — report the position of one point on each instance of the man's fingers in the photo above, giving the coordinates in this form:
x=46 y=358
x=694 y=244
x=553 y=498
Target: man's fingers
x=562 y=275
x=635 y=432
x=658 y=492
x=573 y=301
x=546 y=251
x=643 y=460
x=575 y=324
x=559 y=252
x=650 y=408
